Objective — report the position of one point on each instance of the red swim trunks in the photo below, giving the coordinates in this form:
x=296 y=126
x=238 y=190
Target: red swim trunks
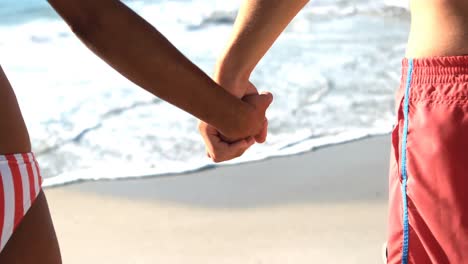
x=20 y=183
x=428 y=181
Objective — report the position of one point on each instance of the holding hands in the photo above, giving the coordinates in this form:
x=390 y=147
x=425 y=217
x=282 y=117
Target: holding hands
x=221 y=148
x=154 y=64
x=257 y=26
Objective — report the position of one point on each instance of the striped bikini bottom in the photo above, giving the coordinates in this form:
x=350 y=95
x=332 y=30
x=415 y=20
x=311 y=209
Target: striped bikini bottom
x=20 y=184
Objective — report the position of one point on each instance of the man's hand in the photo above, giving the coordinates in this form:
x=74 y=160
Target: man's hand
x=218 y=147
x=253 y=34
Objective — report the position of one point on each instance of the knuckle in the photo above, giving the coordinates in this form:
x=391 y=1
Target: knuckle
x=237 y=154
x=241 y=152
x=200 y=127
x=216 y=158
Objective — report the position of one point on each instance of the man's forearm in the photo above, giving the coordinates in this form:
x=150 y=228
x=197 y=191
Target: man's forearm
x=257 y=26
x=139 y=52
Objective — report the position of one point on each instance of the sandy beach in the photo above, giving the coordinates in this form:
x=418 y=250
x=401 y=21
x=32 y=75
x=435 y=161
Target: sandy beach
x=325 y=206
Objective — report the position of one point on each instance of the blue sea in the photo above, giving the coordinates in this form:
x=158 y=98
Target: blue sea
x=333 y=72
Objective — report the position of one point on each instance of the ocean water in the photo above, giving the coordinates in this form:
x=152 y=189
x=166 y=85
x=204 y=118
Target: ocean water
x=333 y=72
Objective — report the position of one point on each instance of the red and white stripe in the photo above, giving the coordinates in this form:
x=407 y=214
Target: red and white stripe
x=20 y=183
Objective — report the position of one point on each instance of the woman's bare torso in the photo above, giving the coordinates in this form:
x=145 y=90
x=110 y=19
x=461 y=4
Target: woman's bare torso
x=14 y=136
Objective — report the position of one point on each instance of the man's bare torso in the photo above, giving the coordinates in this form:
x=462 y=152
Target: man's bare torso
x=438 y=28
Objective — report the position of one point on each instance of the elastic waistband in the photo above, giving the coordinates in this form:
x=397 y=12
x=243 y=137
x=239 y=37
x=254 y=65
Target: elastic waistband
x=440 y=79
x=437 y=70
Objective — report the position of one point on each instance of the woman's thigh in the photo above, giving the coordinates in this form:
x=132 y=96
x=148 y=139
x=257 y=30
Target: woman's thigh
x=34 y=241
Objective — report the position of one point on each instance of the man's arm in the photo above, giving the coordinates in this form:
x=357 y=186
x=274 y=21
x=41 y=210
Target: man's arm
x=139 y=52
x=257 y=26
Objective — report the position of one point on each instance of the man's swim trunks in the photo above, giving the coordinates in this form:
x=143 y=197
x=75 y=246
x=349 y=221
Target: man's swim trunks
x=428 y=182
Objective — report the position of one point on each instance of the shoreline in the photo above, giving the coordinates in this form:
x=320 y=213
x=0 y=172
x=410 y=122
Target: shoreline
x=142 y=174
x=328 y=205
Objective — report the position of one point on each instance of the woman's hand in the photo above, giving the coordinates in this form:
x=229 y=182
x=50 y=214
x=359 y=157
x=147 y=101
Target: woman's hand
x=218 y=147
x=225 y=147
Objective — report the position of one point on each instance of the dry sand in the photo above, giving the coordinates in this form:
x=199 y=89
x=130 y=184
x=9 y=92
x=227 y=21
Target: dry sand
x=326 y=206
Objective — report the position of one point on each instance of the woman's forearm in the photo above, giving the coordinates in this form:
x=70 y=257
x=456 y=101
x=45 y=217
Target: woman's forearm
x=139 y=52
x=257 y=26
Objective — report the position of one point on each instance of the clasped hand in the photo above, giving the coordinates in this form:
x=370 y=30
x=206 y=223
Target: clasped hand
x=222 y=148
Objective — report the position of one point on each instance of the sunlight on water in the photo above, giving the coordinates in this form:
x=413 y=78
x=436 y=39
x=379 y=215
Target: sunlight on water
x=333 y=73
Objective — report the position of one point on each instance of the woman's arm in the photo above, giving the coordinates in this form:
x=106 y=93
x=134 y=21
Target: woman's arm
x=257 y=26
x=139 y=52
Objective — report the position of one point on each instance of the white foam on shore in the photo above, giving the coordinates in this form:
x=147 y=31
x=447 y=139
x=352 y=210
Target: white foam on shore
x=84 y=118
x=398 y=3
x=135 y=171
